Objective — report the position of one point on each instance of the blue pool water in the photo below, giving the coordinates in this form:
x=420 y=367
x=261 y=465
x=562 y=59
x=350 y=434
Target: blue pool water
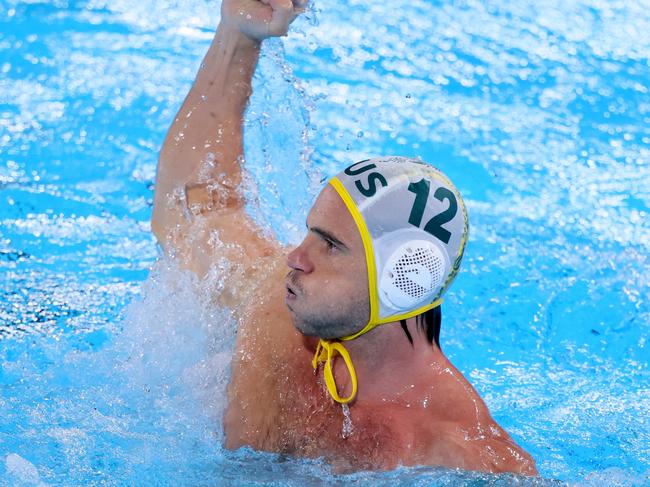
x=113 y=367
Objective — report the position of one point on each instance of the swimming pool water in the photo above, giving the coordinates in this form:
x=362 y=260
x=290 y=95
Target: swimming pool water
x=112 y=373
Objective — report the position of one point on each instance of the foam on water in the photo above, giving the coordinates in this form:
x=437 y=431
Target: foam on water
x=147 y=406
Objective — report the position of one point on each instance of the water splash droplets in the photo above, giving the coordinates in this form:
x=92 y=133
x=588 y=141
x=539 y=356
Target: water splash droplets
x=348 y=427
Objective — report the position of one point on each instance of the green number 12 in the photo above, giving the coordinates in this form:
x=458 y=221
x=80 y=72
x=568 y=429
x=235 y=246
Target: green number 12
x=433 y=226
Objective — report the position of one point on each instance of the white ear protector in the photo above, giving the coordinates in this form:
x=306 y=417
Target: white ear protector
x=413 y=271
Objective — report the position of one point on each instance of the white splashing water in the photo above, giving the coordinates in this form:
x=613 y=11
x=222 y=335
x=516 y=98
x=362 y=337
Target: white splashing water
x=149 y=403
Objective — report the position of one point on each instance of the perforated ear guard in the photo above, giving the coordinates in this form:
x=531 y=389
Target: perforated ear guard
x=412 y=272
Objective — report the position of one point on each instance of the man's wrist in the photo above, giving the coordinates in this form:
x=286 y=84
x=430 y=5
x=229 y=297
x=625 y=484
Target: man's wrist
x=232 y=35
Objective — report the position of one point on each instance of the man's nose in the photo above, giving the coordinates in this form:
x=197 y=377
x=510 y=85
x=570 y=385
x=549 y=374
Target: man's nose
x=299 y=260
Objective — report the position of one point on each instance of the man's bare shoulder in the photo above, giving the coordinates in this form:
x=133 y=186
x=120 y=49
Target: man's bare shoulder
x=442 y=420
x=492 y=450
x=420 y=437
x=462 y=433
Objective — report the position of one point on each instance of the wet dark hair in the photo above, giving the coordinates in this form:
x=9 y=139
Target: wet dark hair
x=428 y=322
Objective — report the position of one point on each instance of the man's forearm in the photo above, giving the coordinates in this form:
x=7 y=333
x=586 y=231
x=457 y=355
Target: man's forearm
x=205 y=140
x=200 y=158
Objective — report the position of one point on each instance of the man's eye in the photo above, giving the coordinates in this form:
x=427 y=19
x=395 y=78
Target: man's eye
x=330 y=245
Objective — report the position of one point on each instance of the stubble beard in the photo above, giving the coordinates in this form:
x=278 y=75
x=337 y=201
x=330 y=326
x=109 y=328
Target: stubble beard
x=335 y=321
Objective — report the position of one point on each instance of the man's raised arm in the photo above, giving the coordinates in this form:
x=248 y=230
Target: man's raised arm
x=199 y=165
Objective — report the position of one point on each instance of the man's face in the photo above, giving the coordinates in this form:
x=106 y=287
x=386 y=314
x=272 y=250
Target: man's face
x=327 y=286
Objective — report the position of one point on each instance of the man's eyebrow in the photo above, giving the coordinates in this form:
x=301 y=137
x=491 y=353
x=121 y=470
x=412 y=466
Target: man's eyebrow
x=328 y=236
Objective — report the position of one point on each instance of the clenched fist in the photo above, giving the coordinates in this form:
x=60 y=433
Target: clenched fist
x=260 y=19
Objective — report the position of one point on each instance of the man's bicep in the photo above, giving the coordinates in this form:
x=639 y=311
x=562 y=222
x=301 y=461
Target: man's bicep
x=205 y=226
x=179 y=196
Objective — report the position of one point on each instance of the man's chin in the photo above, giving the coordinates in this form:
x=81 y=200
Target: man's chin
x=297 y=324
x=302 y=329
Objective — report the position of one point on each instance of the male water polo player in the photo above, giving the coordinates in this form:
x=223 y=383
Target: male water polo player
x=337 y=356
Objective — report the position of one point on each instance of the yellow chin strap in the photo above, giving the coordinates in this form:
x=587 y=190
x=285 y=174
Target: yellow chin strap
x=329 y=349
x=325 y=351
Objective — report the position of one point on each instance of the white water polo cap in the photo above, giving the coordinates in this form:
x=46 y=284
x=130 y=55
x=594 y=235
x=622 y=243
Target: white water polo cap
x=413 y=224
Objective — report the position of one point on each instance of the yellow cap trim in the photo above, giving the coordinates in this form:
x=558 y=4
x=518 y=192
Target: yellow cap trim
x=410 y=314
x=372 y=269
x=367 y=246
